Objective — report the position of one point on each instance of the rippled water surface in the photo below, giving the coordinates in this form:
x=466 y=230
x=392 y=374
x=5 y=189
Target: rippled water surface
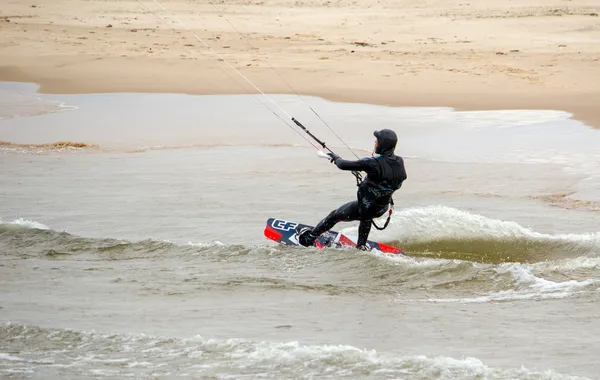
x=131 y=242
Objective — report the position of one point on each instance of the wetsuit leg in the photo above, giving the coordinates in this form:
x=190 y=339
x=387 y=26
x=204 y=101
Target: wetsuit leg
x=346 y=212
x=364 y=228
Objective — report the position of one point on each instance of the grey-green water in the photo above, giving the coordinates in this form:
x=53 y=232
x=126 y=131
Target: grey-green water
x=144 y=256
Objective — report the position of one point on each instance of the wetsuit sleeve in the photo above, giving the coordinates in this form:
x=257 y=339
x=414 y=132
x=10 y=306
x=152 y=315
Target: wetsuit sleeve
x=364 y=165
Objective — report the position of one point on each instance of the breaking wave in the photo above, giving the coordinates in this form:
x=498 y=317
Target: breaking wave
x=445 y=232
x=571 y=271
x=61 y=352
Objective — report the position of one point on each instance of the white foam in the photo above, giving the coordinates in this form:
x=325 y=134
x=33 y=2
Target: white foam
x=421 y=224
x=344 y=360
x=104 y=372
x=59 y=107
x=4 y=356
x=424 y=263
x=523 y=275
x=140 y=364
x=568 y=265
x=27 y=223
x=527 y=286
x=507 y=295
x=23 y=105
x=206 y=245
x=277 y=360
x=20 y=370
x=111 y=361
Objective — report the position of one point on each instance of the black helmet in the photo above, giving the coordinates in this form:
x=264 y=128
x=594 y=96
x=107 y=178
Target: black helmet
x=386 y=141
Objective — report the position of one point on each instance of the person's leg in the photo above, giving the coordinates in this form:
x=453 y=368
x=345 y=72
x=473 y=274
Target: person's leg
x=347 y=212
x=364 y=228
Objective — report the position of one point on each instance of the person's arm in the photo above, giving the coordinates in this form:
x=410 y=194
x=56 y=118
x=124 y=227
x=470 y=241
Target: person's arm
x=364 y=165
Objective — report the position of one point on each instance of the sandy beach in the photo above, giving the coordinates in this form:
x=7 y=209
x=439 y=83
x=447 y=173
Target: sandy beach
x=540 y=54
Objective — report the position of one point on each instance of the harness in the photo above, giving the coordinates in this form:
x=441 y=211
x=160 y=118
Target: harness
x=388 y=218
x=359 y=180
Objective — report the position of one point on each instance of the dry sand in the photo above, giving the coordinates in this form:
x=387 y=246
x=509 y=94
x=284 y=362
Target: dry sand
x=489 y=54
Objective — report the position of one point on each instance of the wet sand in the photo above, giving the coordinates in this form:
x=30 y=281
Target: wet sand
x=484 y=55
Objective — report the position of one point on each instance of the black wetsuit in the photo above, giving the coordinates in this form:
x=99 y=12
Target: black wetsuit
x=385 y=174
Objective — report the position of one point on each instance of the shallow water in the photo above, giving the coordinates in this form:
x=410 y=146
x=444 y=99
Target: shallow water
x=144 y=255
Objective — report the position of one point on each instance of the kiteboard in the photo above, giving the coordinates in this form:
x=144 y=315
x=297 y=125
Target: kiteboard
x=286 y=232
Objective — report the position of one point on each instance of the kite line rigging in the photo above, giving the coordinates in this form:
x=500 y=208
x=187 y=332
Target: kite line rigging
x=293 y=119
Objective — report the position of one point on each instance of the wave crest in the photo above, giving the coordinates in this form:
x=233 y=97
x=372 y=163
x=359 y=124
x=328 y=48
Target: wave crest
x=76 y=353
x=444 y=232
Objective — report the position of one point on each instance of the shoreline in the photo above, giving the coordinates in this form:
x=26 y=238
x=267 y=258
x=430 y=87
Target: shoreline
x=583 y=107
x=489 y=55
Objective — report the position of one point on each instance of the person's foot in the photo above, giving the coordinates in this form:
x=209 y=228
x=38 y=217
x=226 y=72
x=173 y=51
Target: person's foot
x=363 y=247
x=306 y=238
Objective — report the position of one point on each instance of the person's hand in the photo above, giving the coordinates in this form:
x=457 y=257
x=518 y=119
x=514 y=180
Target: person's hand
x=333 y=156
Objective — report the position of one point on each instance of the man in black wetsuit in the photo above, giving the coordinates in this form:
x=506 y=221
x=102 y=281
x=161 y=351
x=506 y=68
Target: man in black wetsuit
x=385 y=174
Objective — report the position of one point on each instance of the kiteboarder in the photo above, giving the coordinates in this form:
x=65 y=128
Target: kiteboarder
x=385 y=174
